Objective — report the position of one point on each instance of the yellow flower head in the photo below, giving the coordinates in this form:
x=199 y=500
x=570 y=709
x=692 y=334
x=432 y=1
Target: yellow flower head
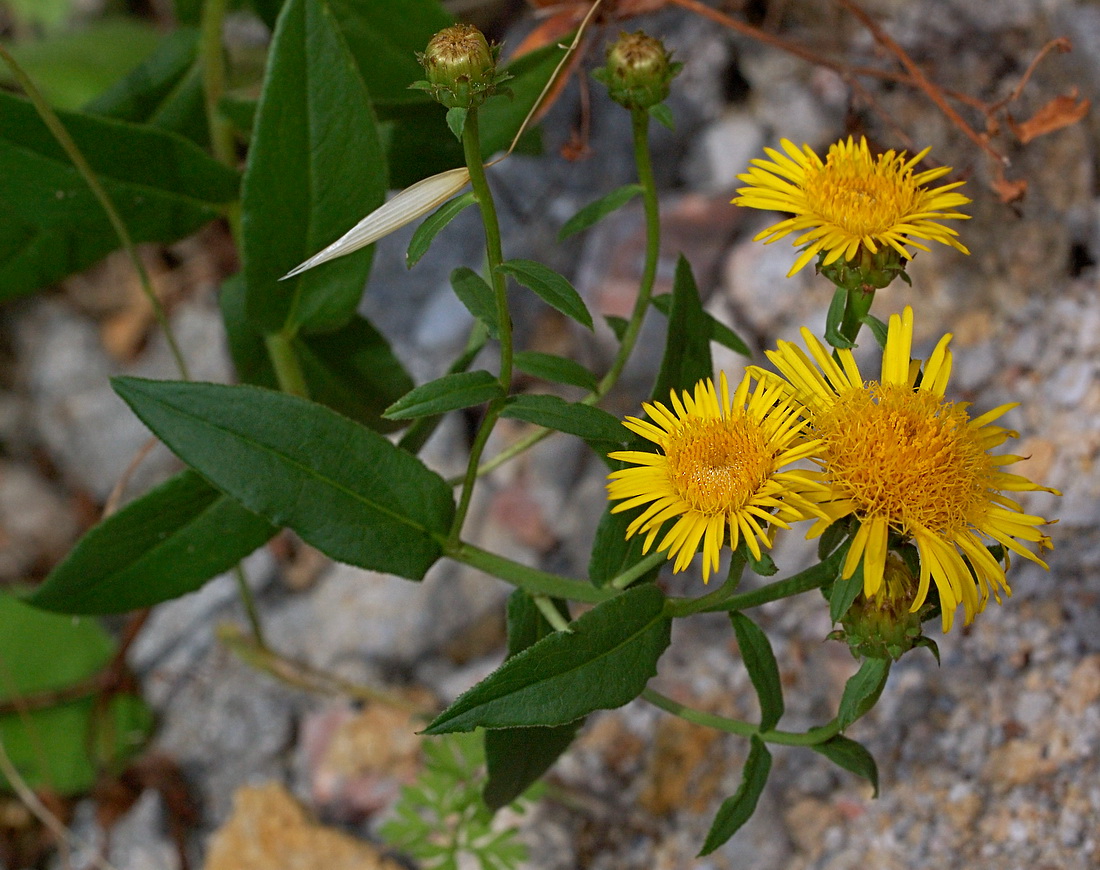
x=719 y=465
x=851 y=200
x=904 y=460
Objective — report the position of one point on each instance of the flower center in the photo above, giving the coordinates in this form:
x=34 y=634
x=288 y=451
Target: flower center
x=906 y=455
x=717 y=465
x=861 y=195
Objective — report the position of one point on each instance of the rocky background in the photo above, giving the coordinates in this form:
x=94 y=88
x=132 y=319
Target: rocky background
x=991 y=760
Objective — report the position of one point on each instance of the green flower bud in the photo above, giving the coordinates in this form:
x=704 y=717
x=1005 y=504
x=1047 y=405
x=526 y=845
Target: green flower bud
x=461 y=67
x=867 y=271
x=883 y=627
x=639 y=71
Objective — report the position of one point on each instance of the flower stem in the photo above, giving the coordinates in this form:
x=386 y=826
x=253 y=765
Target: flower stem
x=530 y=579
x=550 y=613
x=54 y=125
x=212 y=58
x=745 y=729
x=288 y=369
x=812 y=578
x=249 y=602
x=858 y=304
x=644 y=164
x=717 y=599
x=635 y=571
x=471 y=146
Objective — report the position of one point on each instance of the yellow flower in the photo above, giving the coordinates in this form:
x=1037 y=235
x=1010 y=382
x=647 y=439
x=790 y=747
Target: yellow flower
x=906 y=461
x=851 y=200
x=719 y=465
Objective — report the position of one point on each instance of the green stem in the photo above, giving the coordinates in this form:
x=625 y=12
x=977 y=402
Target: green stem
x=621 y=581
x=212 y=58
x=53 y=123
x=812 y=578
x=249 y=602
x=530 y=579
x=471 y=146
x=717 y=599
x=640 y=123
x=288 y=370
x=745 y=729
x=855 y=308
x=550 y=613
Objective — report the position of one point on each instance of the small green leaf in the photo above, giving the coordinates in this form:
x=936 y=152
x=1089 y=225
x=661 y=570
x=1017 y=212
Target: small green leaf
x=834 y=317
x=687 y=357
x=831 y=538
x=425 y=234
x=717 y=330
x=163 y=545
x=456 y=121
x=877 y=327
x=598 y=210
x=862 y=690
x=551 y=287
x=756 y=653
x=448 y=393
x=844 y=592
x=584 y=421
x=850 y=755
x=617 y=325
x=344 y=489
x=550 y=367
x=737 y=810
x=662 y=115
x=603 y=662
x=477 y=296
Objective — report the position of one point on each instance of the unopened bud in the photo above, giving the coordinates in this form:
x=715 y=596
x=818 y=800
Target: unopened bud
x=460 y=66
x=639 y=71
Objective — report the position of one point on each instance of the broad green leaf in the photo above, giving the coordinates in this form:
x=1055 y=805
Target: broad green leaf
x=425 y=234
x=164 y=187
x=517 y=757
x=716 y=329
x=316 y=167
x=163 y=545
x=62 y=747
x=756 y=653
x=344 y=489
x=164 y=91
x=188 y=12
x=862 y=690
x=268 y=10
x=477 y=296
x=352 y=370
x=75 y=65
x=852 y=756
x=584 y=421
x=448 y=393
x=551 y=287
x=737 y=810
x=612 y=552
x=559 y=369
x=687 y=357
x=598 y=210
x=603 y=662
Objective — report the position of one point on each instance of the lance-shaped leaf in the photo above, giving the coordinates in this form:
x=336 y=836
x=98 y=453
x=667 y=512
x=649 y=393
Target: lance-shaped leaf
x=737 y=810
x=687 y=357
x=448 y=393
x=163 y=545
x=163 y=187
x=315 y=166
x=598 y=210
x=584 y=421
x=551 y=287
x=756 y=653
x=411 y=203
x=558 y=369
x=425 y=233
x=852 y=756
x=477 y=296
x=716 y=329
x=603 y=662
x=344 y=488
x=862 y=690
x=517 y=757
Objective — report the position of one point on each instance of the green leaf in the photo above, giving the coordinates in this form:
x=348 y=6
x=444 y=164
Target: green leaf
x=62 y=747
x=477 y=296
x=344 y=489
x=456 y=121
x=448 y=393
x=598 y=210
x=878 y=329
x=756 y=653
x=737 y=810
x=163 y=187
x=687 y=357
x=844 y=592
x=612 y=553
x=164 y=91
x=584 y=421
x=517 y=757
x=662 y=114
x=352 y=370
x=834 y=317
x=850 y=755
x=833 y=536
x=560 y=370
x=163 y=545
x=425 y=234
x=551 y=287
x=617 y=325
x=716 y=329
x=502 y=114
x=862 y=690
x=268 y=10
x=316 y=167
x=603 y=662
